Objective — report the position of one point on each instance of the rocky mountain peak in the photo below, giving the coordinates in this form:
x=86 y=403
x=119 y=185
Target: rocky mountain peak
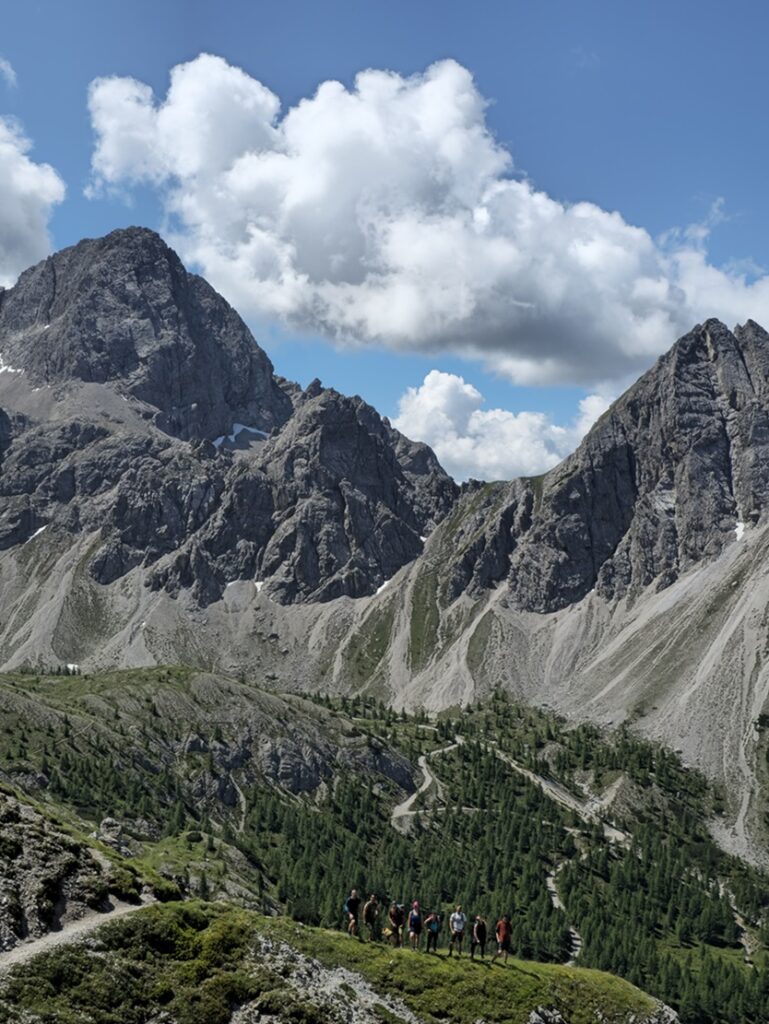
x=122 y=310
x=308 y=492
x=668 y=476
x=332 y=505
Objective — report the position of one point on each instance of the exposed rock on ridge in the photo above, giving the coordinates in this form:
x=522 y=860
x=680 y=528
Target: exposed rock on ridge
x=333 y=505
x=45 y=875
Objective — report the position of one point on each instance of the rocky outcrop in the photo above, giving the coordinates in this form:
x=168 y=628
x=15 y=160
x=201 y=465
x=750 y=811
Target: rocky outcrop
x=45 y=876
x=298 y=759
x=337 y=995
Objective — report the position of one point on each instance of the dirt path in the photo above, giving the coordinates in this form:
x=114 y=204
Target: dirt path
x=242 y=802
x=575 y=939
x=588 y=810
x=747 y=937
x=401 y=814
x=71 y=932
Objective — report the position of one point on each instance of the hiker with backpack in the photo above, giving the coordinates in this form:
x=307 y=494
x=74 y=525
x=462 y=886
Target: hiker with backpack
x=478 y=937
x=397 y=919
x=504 y=934
x=433 y=927
x=371 y=916
x=457 y=925
x=351 y=908
x=415 y=925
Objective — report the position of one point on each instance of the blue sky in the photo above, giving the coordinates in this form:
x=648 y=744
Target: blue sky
x=654 y=110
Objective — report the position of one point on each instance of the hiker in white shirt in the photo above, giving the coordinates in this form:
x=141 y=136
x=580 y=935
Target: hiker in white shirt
x=457 y=925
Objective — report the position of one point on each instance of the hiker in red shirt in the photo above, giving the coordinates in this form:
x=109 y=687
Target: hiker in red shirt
x=504 y=934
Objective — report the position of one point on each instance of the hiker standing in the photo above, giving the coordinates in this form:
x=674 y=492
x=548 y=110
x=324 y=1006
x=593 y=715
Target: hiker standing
x=415 y=925
x=504 y=934
x=433 y=927
x=478 y=937
x=351 y=908
x=371 y=916
x=457 y=925
x=397 y=920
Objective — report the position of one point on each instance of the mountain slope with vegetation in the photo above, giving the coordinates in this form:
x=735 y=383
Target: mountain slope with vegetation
x=199 y=963
x=281 y=804
x=165 y=498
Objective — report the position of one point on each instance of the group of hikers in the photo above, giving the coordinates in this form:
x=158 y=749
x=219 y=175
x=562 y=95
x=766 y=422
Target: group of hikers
x=400 y=926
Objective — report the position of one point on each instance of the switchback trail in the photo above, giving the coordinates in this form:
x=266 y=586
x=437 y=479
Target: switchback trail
x=588 y=810
x=73 y=931
x=401 y=813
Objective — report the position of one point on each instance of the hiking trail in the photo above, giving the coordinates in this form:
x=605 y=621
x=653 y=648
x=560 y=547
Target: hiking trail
x=71 y=932
x=401 y=814
x=575 y=939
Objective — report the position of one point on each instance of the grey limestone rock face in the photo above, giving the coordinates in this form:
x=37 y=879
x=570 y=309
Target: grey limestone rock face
x=331 y=506
x=324 y=500
x=658 y=485
x=123 y=309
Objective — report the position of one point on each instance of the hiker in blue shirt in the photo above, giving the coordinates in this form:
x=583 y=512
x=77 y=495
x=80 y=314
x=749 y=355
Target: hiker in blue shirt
x=433 y=927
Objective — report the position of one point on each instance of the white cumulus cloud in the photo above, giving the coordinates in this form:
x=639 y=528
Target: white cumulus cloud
x=388 y=214
x=488 y=444
x=29 y=193
x=7 y=72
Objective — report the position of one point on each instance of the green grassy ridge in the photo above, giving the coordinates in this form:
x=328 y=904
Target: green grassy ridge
x=199 y=962
x=457 y=989
x=425 y=619
x=432 y=622
x=137 y=721
x=462 y=991
x=367 y=647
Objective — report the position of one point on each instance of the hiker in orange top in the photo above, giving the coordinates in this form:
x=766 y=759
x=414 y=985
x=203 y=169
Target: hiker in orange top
x=504 y=935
